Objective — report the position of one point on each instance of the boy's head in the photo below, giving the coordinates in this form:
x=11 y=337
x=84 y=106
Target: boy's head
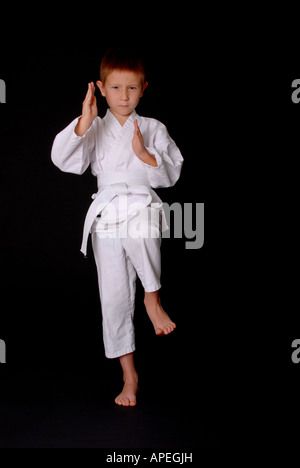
x=122 y=82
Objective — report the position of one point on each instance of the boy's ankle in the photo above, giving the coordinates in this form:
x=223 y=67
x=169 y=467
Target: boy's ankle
x=131 y=378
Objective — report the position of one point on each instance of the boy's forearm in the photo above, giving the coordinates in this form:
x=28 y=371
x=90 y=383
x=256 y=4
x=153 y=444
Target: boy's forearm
x=83 y=126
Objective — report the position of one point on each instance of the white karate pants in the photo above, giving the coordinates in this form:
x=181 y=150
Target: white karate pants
x=119 y=261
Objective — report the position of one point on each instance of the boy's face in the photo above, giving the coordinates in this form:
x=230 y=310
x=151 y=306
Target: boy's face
x=122 y=90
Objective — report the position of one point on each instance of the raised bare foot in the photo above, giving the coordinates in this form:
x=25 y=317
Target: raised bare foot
x=128 y=396
x=162 y=323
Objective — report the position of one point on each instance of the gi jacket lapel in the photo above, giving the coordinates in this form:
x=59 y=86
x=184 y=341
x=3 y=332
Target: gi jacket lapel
x=122 y=135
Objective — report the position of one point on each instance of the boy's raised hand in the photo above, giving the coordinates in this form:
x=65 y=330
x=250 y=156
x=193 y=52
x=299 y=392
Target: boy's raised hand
x=89 y=111
x=89 y=105
x=139 y=147
x=138 y=141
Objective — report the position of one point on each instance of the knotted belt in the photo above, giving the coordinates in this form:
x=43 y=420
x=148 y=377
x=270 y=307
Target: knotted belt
x=110 y=185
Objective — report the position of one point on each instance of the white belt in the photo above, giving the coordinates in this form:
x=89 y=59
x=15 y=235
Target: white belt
x=129 y=178
x=110 y=185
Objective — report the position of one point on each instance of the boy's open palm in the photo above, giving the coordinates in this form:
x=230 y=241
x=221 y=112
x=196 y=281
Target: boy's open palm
x=89 y=111
x=139 y=147
x=138 y=141
x=89 y=105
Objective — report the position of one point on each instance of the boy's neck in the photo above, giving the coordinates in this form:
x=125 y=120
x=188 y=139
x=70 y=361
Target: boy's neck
x=121 y=118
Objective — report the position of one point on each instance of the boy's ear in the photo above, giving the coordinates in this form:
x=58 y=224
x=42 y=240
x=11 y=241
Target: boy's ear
x=144 y=87
x=101 y=87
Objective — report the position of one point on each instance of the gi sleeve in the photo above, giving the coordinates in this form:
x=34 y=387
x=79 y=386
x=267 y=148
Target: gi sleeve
x=72 y=153
x=168 y=157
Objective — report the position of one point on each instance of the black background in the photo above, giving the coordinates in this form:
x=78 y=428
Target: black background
x=56 y=380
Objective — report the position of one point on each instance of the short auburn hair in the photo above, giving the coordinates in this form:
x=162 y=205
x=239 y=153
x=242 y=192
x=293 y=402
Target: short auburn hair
x=123 y=60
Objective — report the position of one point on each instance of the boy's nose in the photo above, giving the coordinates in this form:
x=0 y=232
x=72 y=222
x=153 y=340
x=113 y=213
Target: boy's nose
x=124 y=96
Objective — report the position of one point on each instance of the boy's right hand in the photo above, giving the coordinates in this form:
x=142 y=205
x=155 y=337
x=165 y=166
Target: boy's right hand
x=89 y=111
x=89 y=106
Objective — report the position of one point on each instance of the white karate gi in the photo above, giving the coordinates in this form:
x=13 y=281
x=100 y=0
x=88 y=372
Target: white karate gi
x=126 y=214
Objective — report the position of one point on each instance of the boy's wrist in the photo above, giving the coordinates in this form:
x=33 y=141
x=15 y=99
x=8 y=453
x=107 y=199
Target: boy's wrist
x=148 y=158
x=83 y=125
x=86 y=121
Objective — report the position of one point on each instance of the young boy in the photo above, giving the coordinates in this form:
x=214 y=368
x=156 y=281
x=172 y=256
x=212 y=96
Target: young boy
x=129 y=155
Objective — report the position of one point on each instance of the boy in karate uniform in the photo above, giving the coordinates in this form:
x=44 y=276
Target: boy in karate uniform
x=130 y=155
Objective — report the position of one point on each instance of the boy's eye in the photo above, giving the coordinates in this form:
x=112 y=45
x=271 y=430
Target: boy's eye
x=115 y=87
x=132 y=87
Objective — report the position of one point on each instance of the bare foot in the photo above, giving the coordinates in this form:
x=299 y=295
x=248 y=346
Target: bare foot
x=130 y=378
x=162 y=323
x=128 y=396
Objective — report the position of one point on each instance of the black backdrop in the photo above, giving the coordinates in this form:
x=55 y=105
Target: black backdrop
x=50 y=311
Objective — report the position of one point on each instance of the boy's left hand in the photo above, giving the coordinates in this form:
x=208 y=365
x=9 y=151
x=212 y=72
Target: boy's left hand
x=139 y=147
x=138 y=141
